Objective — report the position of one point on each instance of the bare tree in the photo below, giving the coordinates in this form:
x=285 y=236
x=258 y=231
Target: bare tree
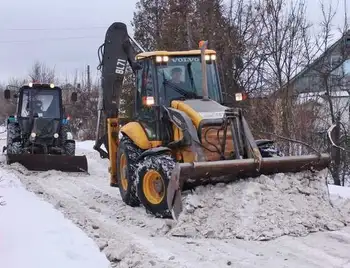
x=274 y=48
x=42 y=73
x=246 y=23
x=331 y=79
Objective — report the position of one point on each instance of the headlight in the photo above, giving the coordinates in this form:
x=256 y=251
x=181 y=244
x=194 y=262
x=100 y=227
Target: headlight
x=69 y=136
x=239 y=96
x=33 y=135
x=162 y=59
x=55 y=135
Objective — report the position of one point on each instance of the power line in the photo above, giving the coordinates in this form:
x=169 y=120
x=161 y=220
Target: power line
x=48 y=39
x=54 y=29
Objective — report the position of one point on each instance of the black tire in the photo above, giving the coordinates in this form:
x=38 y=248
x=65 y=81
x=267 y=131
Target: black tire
x=269 y=150
x=128 y=152
x=67 y=145
x=14 y=144
x=63 y=132
x=160 y=166
x=69 y=148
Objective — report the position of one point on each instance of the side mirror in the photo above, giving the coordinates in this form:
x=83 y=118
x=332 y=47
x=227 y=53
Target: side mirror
x=239 y=63
x=7 y=94
x=74 y=97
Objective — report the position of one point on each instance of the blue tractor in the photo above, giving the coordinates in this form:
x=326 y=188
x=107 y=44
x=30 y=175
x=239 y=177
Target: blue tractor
x=38 y=135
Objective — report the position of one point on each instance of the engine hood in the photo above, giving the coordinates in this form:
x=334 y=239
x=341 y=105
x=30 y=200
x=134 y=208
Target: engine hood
x=45 y=127
x=201 y=111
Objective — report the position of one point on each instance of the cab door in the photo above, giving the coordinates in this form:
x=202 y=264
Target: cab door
x=146 y=102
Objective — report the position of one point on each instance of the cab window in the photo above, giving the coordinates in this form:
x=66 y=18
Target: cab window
x=181 y=77
x=145 y=99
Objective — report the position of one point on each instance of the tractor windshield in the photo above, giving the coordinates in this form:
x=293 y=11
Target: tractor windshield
x=40 y=103
x=182 y=77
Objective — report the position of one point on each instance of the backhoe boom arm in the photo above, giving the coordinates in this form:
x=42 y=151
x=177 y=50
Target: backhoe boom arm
x=114 y=54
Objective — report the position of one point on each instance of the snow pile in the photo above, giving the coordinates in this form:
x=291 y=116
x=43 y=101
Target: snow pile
x=263 y=208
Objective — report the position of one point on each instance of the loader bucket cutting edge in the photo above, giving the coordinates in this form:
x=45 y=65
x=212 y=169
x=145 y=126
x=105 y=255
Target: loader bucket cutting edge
x=43 y=162
x=201 y=173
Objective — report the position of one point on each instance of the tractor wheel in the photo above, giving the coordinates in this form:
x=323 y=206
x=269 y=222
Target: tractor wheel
x=153 y=177
x=127 y=155
x=69 y=148
x=68 y=145
x=14 y=144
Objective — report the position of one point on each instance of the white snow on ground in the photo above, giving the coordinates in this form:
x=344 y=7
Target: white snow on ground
x=131 y=238
x=33 y=234
x=339 y=191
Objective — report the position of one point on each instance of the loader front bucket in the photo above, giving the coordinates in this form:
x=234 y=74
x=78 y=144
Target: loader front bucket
x=44 y=162
x=189 y=175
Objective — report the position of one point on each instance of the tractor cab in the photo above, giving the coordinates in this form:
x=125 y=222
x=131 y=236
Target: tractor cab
x=169 y=76
x=166 y=76
x=40 y=101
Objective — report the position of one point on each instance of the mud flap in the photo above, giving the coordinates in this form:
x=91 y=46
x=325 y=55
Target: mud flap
x=43 y=162
x=203 y=173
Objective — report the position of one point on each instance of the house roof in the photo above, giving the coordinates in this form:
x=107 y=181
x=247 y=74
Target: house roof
x=318 y=60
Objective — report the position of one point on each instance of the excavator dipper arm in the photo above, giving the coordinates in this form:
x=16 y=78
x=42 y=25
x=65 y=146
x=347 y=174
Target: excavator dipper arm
x=114 y=54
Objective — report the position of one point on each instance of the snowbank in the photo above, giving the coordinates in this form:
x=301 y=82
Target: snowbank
x=263 y=208
x=35 y=235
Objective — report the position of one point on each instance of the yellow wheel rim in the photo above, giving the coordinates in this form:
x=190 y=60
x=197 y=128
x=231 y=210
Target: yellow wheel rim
x=123 y=167
x=153 y=187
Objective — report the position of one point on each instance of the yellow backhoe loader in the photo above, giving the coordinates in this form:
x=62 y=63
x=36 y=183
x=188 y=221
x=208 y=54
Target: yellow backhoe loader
x=181 y=135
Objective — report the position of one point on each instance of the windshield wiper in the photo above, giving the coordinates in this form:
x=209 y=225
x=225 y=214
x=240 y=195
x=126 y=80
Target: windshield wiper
x=189 y=69
x=178 y=89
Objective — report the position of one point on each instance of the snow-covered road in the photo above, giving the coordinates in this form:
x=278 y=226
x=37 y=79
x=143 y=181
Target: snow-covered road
x=131 y=238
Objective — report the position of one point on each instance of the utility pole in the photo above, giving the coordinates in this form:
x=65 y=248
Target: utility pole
x=189 y=34
x=88 y=78
x=346 y=17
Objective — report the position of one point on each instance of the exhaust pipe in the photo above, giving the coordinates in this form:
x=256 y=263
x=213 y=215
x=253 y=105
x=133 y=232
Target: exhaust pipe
x=189 y=175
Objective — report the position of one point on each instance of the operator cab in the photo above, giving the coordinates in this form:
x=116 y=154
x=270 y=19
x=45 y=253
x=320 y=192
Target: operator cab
x=180 y=77
x=167 y=76
x=43 y=101
x=39 y=100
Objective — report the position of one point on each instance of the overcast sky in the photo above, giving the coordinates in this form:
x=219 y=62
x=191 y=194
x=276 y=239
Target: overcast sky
x=66 y=34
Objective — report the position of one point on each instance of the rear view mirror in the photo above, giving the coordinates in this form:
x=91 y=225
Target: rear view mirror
x=239 y=63
x=7 y=94
x=74 y=97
